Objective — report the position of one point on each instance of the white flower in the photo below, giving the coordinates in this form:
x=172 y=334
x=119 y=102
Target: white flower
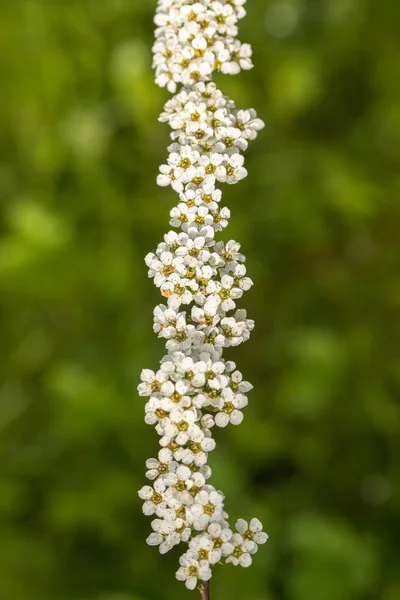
x=162 y=268
x=154 y=498
x=184 y=163
x=151 y=382
x=224 y=293
x=231 y=412
x=235 y=330
x=167 y=177
x=195 y=389
x=241 y=554
x=192 y=371
x=196 y=453
x=211 y=162
x=232 y=170
x=208 y=507
x=172 y=326
x=192 y=570
x=221 y=536
x=229 y=252
x=248 y=123
x=237 y=384
x=252 y=531
x=168 y=532
x=181 y=426
x=205 y=549
x=161 y=466
x=177 y=291
x=238 y=272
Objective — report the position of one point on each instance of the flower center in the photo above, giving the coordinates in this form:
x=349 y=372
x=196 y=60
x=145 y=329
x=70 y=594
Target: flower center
x=155 y=386
x=229 y=408
x=185 y=163
x=209 y=509
x=181 y=512
x=167 y=270
x=178 y=289
x=227 y=331
x=229 y=142
x=176 y=397
x=180 y=336
x=156 y=498
x=224 y=294
x=196 y=447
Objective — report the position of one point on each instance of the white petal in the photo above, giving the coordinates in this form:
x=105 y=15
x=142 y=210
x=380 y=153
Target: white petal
x=241 y=526
x=245 y=560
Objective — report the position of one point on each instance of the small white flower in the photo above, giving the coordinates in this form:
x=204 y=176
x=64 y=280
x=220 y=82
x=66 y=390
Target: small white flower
x=193 y=570
x=196 y=453
x=192 y=371
x=205 y=549
x=153 y=497
x=208 y=507
x=232 y=170
x=252 y=531
x=231 y=410
x=248 y=123
x=181 y=426
x=201 y=279
x=221 y=536
x=241 y=554
x=151 y=382
x=161 y=466
x=167 y=177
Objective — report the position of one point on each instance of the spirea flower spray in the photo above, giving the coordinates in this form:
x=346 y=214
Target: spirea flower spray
x=201 y=280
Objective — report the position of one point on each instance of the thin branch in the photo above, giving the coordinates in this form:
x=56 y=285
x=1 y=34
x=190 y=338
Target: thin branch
x=204 y=589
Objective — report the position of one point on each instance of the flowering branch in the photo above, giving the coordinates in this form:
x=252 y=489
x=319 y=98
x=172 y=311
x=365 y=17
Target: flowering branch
x=201 y=279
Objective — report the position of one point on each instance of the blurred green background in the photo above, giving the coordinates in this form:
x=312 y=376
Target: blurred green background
x=317 y=457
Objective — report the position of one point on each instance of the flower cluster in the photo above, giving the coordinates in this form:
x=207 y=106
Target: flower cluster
x=193 y=39
x=201 y=280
